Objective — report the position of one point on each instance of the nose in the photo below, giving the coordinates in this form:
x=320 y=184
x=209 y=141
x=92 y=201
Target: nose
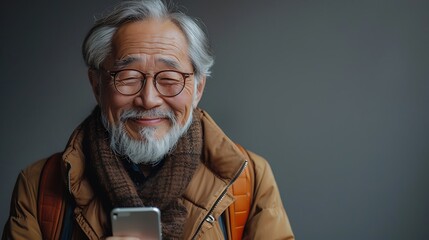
x=149 y=97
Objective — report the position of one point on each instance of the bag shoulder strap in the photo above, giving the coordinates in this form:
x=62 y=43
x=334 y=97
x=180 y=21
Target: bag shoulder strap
x=239 y=210
x=51 y=202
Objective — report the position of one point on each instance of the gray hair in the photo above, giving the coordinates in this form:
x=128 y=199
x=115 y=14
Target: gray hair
x=97 y=44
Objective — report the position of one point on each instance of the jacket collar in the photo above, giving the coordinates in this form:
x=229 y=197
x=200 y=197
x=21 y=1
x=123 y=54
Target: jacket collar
x=221 y=155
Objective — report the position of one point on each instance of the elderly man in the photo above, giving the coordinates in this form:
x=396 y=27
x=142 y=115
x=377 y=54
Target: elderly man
x=147 y=144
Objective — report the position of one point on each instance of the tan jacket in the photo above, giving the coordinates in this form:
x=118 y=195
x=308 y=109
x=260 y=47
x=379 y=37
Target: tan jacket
x=205 y=196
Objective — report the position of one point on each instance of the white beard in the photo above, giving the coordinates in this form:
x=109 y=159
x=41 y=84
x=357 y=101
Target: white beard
x=149 y=149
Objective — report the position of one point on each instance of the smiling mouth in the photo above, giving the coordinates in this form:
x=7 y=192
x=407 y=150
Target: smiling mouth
x=149 y=121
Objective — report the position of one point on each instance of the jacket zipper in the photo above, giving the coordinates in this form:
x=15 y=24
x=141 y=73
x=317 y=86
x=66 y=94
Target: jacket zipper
x=68 y=177
x=209 y=214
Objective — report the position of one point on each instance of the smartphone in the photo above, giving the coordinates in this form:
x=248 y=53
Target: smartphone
x=141 y=222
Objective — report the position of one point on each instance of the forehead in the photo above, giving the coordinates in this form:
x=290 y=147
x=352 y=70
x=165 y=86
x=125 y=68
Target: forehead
x=150 y=38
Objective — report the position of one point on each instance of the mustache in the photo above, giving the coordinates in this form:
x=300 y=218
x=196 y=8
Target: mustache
x=151 y=113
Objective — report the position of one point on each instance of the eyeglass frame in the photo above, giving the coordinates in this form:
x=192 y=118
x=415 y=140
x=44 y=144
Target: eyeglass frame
x=185 y=76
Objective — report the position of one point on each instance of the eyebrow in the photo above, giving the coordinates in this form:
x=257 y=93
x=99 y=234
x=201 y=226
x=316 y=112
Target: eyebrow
x=124 y=62
x=169 y=62
x=130 y=59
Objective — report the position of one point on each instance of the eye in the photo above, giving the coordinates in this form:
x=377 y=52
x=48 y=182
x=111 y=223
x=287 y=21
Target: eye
x=128 y=77
x=169 y=78
x=127 y=81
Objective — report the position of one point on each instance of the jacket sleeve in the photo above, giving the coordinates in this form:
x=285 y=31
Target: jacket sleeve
x=22 y=222
x=267 y=218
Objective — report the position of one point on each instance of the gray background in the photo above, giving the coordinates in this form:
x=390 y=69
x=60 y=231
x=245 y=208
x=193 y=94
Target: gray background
x=333 y=93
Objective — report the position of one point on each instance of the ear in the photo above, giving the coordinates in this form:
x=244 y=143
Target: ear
x=94 y=79
x=200 y=90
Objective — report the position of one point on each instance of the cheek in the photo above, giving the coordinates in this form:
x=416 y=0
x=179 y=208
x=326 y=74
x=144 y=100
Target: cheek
x=112 y=105
x=182 y=104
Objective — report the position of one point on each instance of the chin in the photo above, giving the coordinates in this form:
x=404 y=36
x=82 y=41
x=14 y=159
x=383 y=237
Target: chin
x=149 y=134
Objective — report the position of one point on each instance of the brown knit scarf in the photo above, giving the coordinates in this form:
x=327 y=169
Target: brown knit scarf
x=162 y=189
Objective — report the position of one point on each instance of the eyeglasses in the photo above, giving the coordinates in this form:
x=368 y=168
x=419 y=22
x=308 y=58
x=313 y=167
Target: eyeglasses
x=168 y=83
